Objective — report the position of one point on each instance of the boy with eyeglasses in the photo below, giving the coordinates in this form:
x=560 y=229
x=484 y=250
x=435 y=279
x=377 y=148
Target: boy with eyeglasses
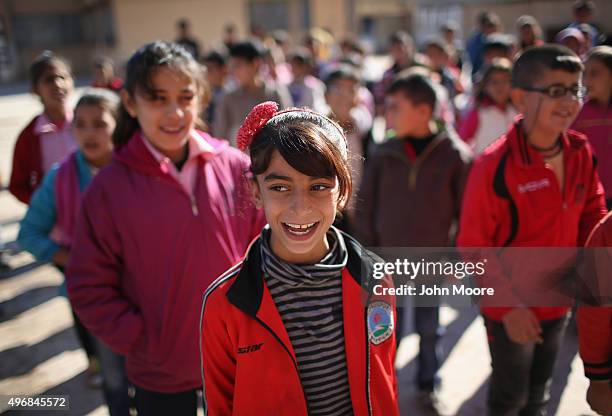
x=535 y=187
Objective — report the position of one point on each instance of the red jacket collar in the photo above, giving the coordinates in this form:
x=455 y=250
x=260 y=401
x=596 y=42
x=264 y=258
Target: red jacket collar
x=524 y=153
x=247 y=291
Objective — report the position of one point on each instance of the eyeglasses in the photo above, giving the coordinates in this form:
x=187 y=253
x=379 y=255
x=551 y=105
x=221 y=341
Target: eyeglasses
x=559 y=91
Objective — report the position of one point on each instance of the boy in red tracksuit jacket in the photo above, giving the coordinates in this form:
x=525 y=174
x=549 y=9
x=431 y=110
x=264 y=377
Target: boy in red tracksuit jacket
x=595 y=323
x=537 y=186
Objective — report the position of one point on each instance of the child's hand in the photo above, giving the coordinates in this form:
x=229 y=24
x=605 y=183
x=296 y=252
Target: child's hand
x=599 y=397
x=522 y=326
x=61 y=257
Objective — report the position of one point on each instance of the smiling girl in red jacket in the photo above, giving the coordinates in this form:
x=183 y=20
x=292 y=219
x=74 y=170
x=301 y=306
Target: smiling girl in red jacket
x=169 y=214
x=292 y=329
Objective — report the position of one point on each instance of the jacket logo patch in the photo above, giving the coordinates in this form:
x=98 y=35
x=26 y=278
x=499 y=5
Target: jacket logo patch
x=380 y=322
x=533 y=185
x=249 y=348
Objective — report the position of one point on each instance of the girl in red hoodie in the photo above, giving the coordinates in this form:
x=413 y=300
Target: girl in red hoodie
x=47 y=139
x=294 y=328
x=169 y=214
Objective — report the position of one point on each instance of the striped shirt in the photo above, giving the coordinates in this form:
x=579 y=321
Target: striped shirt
x=309 y=300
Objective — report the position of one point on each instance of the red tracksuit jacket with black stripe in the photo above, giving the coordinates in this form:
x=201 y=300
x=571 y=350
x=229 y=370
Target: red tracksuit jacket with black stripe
x=249 y=366
x=513 y=199
x=595 y=323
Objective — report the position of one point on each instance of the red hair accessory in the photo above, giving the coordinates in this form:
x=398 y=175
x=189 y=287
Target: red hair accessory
x=254 y=122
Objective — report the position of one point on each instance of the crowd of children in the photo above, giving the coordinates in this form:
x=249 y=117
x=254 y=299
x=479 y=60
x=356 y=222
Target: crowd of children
x=234 y=190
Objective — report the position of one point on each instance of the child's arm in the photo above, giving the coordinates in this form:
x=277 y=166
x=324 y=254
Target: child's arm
x=36 y=226
x=595 y=323
x=218 y=360
x=469 y=125
x=595 y=336
x=20 y=183
x=220 y=124
x=365 y=204
x=93 y=277
x=594 y=207
x=460 y=177
x=596 y=352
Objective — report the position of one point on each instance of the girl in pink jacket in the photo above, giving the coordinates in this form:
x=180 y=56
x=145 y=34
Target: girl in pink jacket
x=169 y=214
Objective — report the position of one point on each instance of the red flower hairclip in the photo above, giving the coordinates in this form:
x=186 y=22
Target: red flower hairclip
x=254 y=122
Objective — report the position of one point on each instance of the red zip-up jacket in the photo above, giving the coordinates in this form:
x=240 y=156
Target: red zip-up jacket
x=512 y=199
x=595 y=323
x=248 y=363
x=27 y=172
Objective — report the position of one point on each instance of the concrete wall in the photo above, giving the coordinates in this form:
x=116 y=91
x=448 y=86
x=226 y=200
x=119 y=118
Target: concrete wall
x=80 y=56
x=552 y=14
x=140 y=21
x=37 y=6
x=331 y=14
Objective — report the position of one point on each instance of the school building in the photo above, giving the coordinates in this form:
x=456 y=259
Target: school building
x=80 y=30
x=553 y=15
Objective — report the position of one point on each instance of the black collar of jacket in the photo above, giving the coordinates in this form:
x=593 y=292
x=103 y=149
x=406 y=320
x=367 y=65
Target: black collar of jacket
x=247 y=290
x=395 y=146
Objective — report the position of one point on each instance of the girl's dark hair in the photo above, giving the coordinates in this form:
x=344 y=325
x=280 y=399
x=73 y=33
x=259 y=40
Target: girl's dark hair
x=99 y=97
x=302 y=56
x=247 y=50
x=310 y=143
x=401 y=37
x=217 y=56
x=44 y=61
x=139 y=80
x=344 y=71
x=602 y=54
x=496 y=65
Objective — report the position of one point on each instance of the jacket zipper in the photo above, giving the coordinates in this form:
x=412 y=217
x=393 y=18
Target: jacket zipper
x=194 y=206
x=561 y=189
x=192 y=200
x=262 y=323
x=191 y=196
x=414 y=167
x=414 y=171
x=367 y=341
